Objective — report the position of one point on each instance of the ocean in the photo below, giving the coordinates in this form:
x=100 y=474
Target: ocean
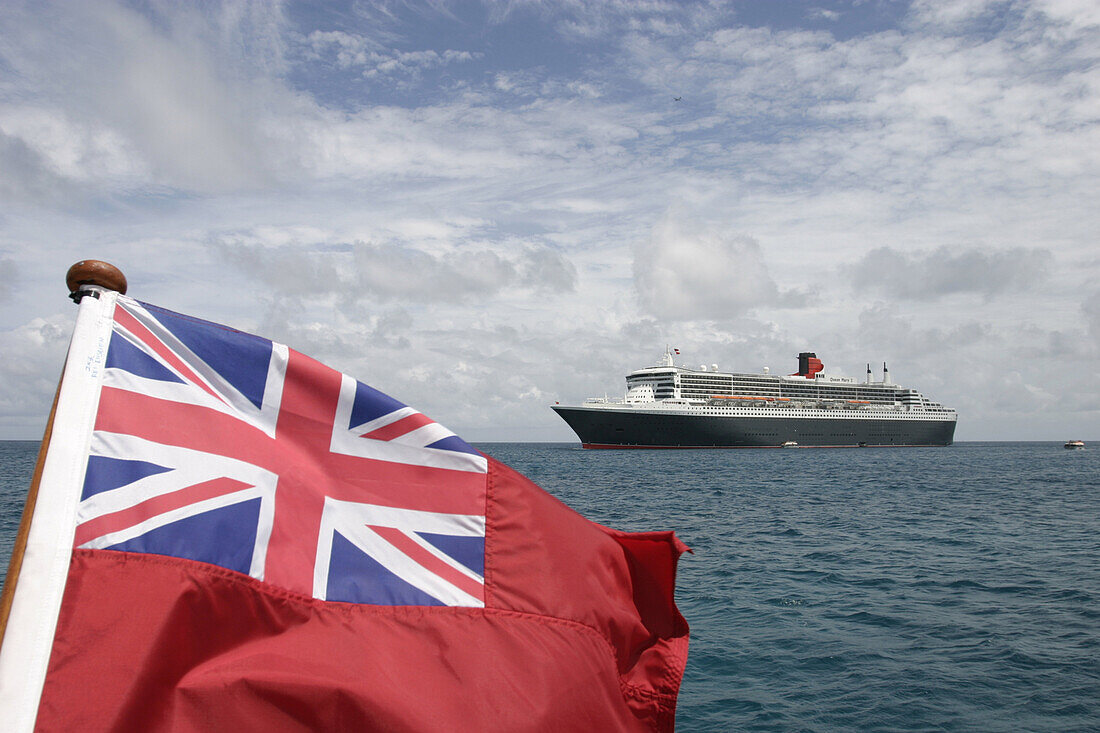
x=902 y=589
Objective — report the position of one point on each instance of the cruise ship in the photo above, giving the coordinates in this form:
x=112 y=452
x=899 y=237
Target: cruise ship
x=669 y=406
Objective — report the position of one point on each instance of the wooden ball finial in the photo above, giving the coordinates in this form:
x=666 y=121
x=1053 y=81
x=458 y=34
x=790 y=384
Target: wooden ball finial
x=95 y=272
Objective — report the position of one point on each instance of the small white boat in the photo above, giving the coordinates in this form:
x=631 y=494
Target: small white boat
x=1075 y=445
x=789 y=444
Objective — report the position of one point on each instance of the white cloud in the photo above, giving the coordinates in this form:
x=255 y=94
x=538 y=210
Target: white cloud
x=476 y=234
x=25 y=174
x=823 y=14
x=1079 y=14
x=948 y=271
x=687 y=271
x=65 y=152
x=350 y=50
x=32 y=363
x=1091 y=309
x=356 y=51
x=393 y=271
x=940 y=114
x=998 y=377
x=167 y=98
x=955 y=11
x=8 y=273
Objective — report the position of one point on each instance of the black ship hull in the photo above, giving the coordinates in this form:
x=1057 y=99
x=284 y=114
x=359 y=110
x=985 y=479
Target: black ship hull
x=617 y=428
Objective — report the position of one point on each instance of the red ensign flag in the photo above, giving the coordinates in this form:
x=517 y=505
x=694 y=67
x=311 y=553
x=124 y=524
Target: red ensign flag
x=230 y=535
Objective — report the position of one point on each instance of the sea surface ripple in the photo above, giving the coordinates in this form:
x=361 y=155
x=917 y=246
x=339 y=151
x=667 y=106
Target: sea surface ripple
x=911 y=589
x=903 y=589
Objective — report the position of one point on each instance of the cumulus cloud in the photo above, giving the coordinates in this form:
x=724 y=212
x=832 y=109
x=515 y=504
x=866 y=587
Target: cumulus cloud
x=48 y=157
x=25 y=174
x=388 y=271
x=903 y=336
x=168 y=96
x=467 y=216
x=999 y=376
x=948 y=271
x=391 y=328
x=685 y=271
x=33 y=356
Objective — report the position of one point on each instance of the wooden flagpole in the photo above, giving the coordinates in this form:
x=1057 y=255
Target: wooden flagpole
x=15 y=562
x=80 y=275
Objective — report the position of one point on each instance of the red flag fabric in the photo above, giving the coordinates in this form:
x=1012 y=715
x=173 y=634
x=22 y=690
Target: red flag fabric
x=261 y=543
x=583 y=637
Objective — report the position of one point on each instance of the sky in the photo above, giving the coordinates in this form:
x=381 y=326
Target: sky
x=482 y=208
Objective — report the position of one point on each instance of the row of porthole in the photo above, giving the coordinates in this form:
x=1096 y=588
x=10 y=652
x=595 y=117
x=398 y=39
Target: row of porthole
x=839 y=416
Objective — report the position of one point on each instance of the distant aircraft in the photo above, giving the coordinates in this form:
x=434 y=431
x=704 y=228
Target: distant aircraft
x=676 y=99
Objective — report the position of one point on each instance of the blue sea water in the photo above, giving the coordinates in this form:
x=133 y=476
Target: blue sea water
x=903 y=589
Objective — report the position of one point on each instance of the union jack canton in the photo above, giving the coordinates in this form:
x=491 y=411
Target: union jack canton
x=218 y=446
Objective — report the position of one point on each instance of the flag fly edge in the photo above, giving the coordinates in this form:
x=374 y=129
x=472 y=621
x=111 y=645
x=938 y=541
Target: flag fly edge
x=28 y=637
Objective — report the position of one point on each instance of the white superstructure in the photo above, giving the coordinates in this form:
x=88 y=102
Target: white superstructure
x=809 y=394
